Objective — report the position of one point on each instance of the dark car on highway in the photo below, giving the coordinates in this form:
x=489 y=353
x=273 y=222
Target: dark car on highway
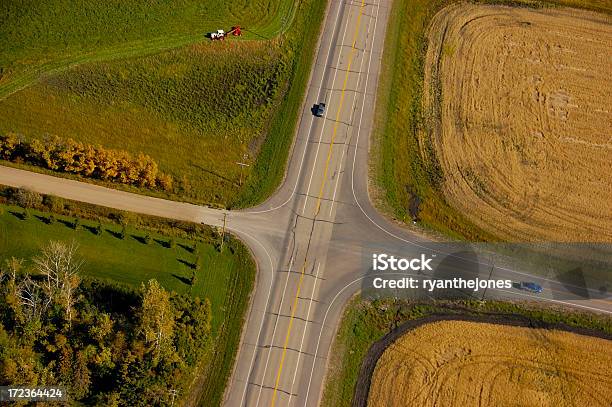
x=319 y=110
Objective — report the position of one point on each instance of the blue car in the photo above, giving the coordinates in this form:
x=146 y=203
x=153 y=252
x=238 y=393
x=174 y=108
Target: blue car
x=530 y=286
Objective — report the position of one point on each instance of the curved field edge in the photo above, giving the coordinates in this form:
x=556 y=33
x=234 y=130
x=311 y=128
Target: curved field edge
x=229 y=309
x=367 y=328
x=400 y=179
x=267 y=28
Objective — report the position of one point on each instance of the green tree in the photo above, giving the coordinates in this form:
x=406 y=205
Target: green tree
x=81 y=378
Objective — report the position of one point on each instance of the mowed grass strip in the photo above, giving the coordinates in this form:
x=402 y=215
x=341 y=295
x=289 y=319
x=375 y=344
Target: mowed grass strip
x=128 y=261
x=225 y=278
x=49 y=35
x=404 y=166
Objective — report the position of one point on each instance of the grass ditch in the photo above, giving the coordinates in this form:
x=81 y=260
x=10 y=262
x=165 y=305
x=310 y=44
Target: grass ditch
x=169 y=251
x=365 y=322
x=403 y=165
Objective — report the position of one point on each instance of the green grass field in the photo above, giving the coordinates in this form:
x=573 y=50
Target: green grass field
x=225 y=278
x=46 y=36
x=196 y=109
x=399 y=169
x=186 y=108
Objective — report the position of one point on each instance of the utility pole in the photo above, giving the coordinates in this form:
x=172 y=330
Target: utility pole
x=487 y=286
x=223 y=231
x=242 y=165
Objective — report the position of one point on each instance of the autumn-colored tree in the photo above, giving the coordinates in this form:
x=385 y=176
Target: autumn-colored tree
x=8 y=146
x=164 y=181
x=147 y=171
x=107 y=168
x=157 y=317
x=75 y=157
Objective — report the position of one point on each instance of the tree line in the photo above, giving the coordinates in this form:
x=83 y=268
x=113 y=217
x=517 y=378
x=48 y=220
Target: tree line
x=107 y=344
x=57 y=154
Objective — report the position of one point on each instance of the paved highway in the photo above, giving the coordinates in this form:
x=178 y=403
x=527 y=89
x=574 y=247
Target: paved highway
x=312 y=239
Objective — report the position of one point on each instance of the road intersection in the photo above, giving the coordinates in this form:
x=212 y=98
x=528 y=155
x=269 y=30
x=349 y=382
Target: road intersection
x=311 y=237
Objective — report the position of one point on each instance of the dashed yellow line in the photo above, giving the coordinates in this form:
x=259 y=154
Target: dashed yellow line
x=318 y=207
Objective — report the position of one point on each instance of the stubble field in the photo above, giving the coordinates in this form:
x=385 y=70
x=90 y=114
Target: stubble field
x=470 y=363
x=517 y=102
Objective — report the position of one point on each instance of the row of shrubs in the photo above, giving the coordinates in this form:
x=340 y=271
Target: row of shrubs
x=57 y=154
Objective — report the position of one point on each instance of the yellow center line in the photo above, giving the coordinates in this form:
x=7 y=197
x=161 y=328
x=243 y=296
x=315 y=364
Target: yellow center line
x=337 y=121
x=329 y=154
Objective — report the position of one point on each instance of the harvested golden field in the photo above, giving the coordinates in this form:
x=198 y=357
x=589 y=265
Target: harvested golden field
x=458 y=363
x=519 y=106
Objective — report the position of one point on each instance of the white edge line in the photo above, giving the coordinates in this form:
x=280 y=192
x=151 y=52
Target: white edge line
x=263 y=376
x=297 y=365
x=297 y=179
x=314 y=360
x=314 y=165
x=246 y=385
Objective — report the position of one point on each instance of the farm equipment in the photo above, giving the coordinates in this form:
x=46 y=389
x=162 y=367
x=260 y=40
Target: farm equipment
x=220 y=34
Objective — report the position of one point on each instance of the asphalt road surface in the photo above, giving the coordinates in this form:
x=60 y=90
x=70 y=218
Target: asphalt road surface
x=313 y=238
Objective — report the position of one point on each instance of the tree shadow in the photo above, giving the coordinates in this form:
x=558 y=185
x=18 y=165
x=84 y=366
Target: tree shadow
x=182 y=279
x=139 y=239
x=92 y=229
x=163 y=243
x=18 y=215
x=43 y=219
x=114 y=234
x=187 y=263
x=190 y=249
x=67 y=223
